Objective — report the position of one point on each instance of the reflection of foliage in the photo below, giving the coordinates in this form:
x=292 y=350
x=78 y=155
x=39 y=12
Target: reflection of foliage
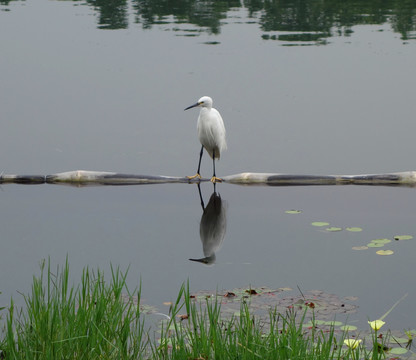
x=113 y=13
x=323 y=17
x=294 y=16
x=151 y=12
x=404 y=19
x=205 y=14
x=317 y=16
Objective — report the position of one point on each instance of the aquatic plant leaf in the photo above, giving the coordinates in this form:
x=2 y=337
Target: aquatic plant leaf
x=308 y=324
x=398 y=351
x=348 y=328
x=325 y=305
x=333 y=228
x=400 y=340
x=333 y=323
x=147 y=309
x=293 y=211
x=385 y=252
x=372 y=244
x=403 y=237
x=319 y=223
x=360 y=247
x=381 y=241
x=354 y=229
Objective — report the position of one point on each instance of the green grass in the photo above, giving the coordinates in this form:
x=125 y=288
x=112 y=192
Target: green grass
x=91 y=321
x=100 y=320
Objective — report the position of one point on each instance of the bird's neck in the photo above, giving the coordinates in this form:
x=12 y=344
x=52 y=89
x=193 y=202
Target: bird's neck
x=205 y=109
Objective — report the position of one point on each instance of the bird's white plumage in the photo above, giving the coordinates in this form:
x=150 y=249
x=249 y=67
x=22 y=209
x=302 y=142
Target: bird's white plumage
x=211 y=129
x=211 y=133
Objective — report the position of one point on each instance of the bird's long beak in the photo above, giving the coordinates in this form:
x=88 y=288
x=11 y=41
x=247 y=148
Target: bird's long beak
x=192 y=106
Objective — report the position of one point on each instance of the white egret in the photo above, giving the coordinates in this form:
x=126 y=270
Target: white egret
x=211 y=134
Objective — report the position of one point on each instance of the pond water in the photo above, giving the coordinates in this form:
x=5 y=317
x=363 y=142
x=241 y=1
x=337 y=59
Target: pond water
x=304 y=87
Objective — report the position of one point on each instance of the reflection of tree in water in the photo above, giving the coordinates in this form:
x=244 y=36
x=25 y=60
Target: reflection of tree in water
x=205 y=14
x=324 y=17
x=404 y=19
x=339 y=15
x=149 y=12
x=113 y=14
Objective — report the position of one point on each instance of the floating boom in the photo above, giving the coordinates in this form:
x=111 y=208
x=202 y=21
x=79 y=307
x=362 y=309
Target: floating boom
x=96 y=178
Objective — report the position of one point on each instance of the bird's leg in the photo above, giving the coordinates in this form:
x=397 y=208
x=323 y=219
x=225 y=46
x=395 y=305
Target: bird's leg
x=200 y=197
x=213 y=162
x=214 y=178
x=200 y=158
x=198 y=175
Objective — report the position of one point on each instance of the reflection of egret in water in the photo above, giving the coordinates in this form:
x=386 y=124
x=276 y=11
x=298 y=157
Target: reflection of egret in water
x=212 y=226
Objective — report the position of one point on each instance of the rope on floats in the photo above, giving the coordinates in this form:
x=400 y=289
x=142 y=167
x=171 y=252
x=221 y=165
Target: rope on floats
x=96 y=178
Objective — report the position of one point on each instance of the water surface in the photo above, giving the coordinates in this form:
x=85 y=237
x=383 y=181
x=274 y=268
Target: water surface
x=304 y=87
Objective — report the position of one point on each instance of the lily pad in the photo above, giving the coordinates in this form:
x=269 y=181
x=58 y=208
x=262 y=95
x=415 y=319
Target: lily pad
x=293 y=211
x=354 y=229
x=360 y=247
x=385 y=252
x=333 y=323
x=403 y=237
x=381 y=241
x=328 y=323
x=333 y=228
x=348 y=328
x=372 y=244
x=323 y=305
x=400 y=340
x=308 y=324
x=398 y=351
x=319 y=223
x=147 y=309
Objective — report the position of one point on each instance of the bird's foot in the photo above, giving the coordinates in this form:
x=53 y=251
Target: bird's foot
x=215 y=179
x=194 y=176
